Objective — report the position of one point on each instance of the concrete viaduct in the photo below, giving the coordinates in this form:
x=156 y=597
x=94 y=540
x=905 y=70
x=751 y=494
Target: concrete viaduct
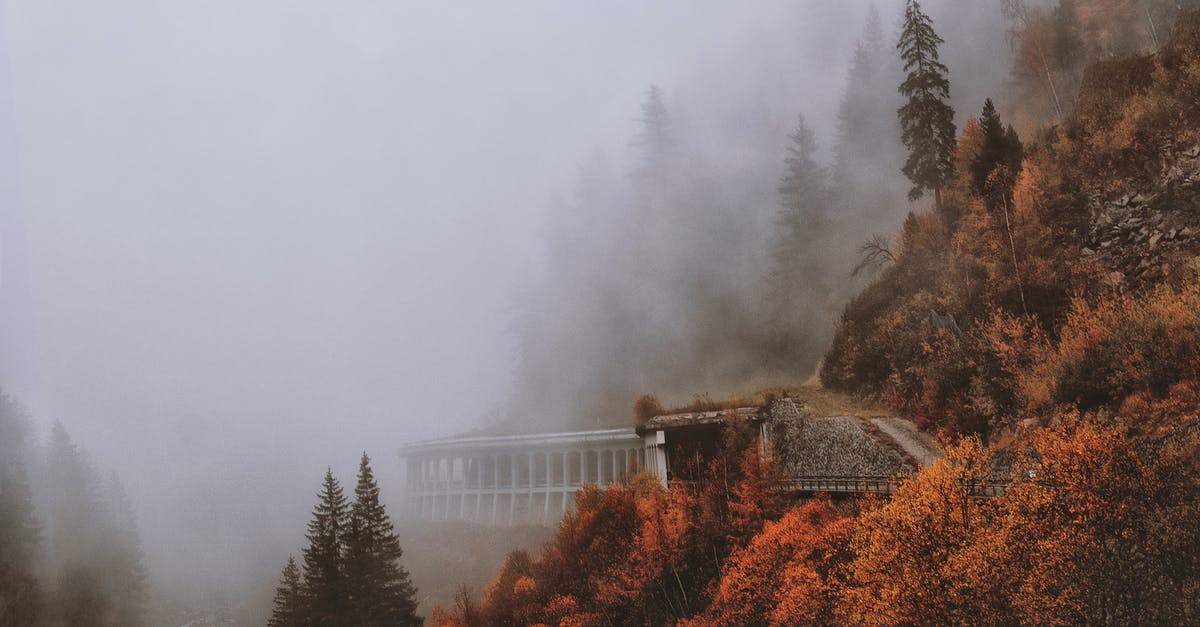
x=505 y=480
x=517 y=479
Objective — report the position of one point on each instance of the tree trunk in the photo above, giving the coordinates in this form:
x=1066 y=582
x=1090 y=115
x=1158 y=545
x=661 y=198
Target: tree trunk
x=1012 y=247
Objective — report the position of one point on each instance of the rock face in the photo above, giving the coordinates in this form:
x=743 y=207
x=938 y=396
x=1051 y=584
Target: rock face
x=1149 y=235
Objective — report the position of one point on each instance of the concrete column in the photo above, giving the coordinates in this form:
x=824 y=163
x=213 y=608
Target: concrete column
x=549 y=482
x=496 y=486
x=426 y=491
x=529 y=504
x=513 y=501
x=462 y=490
x=583 y=467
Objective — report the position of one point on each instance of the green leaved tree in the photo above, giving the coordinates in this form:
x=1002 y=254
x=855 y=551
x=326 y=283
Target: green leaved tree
x=926 y=119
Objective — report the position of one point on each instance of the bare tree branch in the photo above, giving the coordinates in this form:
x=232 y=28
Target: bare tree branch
x=873 y=254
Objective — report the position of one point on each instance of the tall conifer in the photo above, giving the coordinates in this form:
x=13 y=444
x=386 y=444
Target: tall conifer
x=325 y=591
x=379 y=587
x=289 y=598
x=125 y=574
x=1001 y=147
x=797 y=286
x=20 y=540
x=654 y=139
x=864 y=113
x=926 y=119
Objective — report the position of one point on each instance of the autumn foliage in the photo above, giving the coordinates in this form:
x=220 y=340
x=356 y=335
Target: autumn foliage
x=1070 y=491
x=1081 y=525
x=993 y=314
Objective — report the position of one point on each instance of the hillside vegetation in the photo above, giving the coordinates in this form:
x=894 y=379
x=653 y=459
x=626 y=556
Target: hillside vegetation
x=1073 y=286
x=1043 y=317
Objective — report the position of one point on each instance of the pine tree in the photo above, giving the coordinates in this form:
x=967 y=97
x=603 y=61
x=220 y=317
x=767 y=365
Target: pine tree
x=125 y=578
x=863 y=115
x=926 y=120
x=289 y=598
x=379 y=587
x=324 y=580
x=1001 y=147
x=77 y=539
x=20 y=539
x=796 y=285
x=654 y=139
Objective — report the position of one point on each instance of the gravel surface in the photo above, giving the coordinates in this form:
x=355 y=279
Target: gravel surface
x=916 y=443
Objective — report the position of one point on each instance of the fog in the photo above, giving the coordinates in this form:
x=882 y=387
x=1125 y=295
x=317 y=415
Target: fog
x=246 y=241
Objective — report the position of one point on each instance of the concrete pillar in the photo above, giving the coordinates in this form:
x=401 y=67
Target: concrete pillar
x=495 y=486
x=462 y=492
x=549 y=482
x=529 y=505
x=513 y=499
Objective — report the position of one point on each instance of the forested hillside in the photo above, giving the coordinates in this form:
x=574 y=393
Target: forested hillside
x=733 y=238
x=725 y=238
x=1038 y=309
x=69 y=549
x=1065 y=263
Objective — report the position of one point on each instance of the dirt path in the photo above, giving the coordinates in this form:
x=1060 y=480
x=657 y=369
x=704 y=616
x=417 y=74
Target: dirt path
x=917 y=444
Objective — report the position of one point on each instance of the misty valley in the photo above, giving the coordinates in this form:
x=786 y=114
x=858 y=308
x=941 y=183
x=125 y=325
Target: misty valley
x=599 y=314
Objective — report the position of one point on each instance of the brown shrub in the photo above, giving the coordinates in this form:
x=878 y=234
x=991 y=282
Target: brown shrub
x=645 y=408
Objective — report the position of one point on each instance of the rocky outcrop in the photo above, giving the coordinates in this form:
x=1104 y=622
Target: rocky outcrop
x=1153 y=234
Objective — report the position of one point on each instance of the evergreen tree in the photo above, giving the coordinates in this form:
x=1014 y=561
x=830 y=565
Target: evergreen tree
x=14 y=431
x=654 y=139
x=324 y=580
x=20 y=538
x=1001 y=147
x=379 y=587
x=797 y=283
x=121 y=556
x=289 y=598
x=77 y=546
x=926 y=119
x=864 y=115
x=20 y=530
